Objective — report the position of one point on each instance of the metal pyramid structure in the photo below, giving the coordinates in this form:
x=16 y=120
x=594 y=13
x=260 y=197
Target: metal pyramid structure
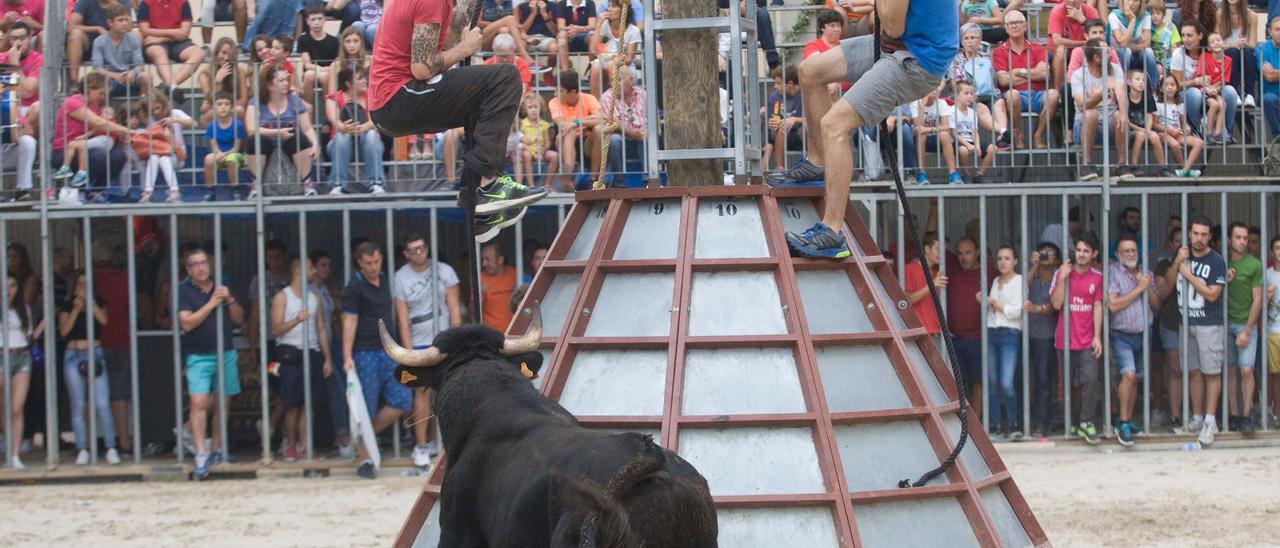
x=802 y=390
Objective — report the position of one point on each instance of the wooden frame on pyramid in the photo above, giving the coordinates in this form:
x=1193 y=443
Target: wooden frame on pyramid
x=802 y=390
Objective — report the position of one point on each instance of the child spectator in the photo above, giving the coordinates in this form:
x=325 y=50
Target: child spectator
x=162 y=109
x=1142 y=122
x=504 y=51
x=118 y=55
x=933 y=130
x=1164 y=34
x=606 y=43
x=318 y=50
x=786 y=117
x=1171 y=115
x=224 y=135
x=224 y=74
x=370 y=16
x=78 y=154
x=166 y=35
x=1213 y=71
x=535 y=143
x=968 y=140
x=278 y=55
x=260 y=48
x=154 y=145
x=351 y=55
x=576 y=115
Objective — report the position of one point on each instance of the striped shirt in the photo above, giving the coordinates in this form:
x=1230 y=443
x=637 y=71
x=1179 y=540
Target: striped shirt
x=1129 y=319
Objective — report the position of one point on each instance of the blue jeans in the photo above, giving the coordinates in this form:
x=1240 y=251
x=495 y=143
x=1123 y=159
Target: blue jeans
x=371 y=149
x=621 y=150
x=1003 y=345
x=1044 y=368
x=366 y=31
x=1195 y=108
x=1271 y=111
x=908 y=146
x=1126 y=349
x=77 y=392
x=274 y=17
x=1145 y=60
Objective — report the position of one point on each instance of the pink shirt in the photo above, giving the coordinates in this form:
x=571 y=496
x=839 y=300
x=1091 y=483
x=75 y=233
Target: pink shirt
x=65 y=127
x=1086 y=290
x=30 y=67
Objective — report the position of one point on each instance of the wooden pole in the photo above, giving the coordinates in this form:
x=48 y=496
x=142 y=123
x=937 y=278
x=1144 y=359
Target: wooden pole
x=691 y=94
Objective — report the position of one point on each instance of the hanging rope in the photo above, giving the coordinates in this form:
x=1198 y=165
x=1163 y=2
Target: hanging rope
x=615 y=93
x=888 y=153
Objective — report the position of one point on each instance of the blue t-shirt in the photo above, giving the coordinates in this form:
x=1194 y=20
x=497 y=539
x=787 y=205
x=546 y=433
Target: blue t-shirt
x=226 y=137
x=1211 y=270
x=1268 y=53
x=785 y=106
x=539 y=26
x=932 y=33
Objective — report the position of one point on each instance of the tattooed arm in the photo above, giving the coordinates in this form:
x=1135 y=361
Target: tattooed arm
x=464 y=12
x=427 y=60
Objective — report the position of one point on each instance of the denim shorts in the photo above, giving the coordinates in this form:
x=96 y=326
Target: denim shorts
x=202 y=372
x=1126 y=348
x=19 y=360
x=1246 y=357
x=1170 y=339
x=1031 y=100
x=377 y=377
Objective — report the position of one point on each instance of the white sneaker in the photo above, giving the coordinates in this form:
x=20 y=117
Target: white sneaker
x=82 y=458
x=113 y=457
x=433 y=448
x=347 y=451
x=336 y=191
x=376 y=188
x=1207 y=431
x=173 y=196
x=1249 y=102
x=16 y=463
x=69 y=196
x=421 y=456
x=1195 y=425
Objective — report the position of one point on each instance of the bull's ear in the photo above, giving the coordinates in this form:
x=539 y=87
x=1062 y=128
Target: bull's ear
x=530 y=364
x=413 y=377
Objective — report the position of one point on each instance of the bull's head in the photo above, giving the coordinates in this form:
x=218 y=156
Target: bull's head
x=522 y=351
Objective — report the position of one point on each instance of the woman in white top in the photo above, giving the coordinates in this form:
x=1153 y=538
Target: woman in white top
x=1273 y=324
x=18 y=335
x=1004 y=343
x=1183 y=66
x=607 y=44
x=293 y=334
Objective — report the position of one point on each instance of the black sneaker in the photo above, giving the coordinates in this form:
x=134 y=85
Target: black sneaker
x=488 y=227
x=800 y=174
x=819 y=242
x=1088 y=174
x=1002 y=140
x=1246 y=426
x=1233 y=422
x=366 y=470
x=505 y=193
x=1124 y=434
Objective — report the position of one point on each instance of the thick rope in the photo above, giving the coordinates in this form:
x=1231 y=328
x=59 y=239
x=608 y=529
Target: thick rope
x=888 y=153
x=615 y=93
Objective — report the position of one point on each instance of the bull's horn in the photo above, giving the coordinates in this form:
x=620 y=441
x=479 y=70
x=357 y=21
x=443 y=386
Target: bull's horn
x=412 y=358
x=531 y=339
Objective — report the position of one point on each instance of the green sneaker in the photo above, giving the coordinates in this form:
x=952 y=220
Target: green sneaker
x=488 y=227
x=505 y=193
x=1086 y=431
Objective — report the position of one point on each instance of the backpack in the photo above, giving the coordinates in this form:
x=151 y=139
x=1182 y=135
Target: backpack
x=1271 y=163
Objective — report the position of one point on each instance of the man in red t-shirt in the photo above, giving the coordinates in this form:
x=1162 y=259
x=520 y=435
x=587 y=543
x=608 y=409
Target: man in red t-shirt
x=166 y=39
x=413 y=90
x=964 y=313
x=830 y=29
x=113 y=284
x=1022 y=72
x=1066 y=32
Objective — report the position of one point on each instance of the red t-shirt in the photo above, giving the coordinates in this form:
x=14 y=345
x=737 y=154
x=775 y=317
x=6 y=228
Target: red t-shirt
x=964 y=314
x=817 y=45
x=113 y=285
x=30 y=67
x=1060 y=24
x=164 y=14
x=526 y=77
x=1086 y=289
x=914 y=281
x=66 y=128
x=1217 y=71
x=1006 y=59
x=391 y=57
x=32 y=8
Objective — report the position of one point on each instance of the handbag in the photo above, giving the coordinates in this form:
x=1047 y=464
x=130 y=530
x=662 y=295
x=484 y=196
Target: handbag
x=288 y=354
x=96 y=363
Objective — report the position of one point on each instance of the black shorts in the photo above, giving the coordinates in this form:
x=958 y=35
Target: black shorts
x=795 y=139
x=119 y=380
x=580 y=43
x=174 y=49
x=292 y=145
x=293 y=385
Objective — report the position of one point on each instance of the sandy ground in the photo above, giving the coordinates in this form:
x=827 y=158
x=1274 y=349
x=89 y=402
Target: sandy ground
x=1228 y=497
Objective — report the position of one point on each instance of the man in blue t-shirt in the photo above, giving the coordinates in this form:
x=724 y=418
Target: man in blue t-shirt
x=918 y=41
x=1201 y=275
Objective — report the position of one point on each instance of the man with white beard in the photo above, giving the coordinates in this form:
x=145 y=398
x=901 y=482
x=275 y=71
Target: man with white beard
x=1125 y=301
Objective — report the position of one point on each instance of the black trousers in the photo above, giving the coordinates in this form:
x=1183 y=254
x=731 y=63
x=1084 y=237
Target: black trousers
x=482 y=99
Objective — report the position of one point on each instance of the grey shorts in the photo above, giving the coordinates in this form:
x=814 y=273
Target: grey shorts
x=19 y=361
x=118 y=378
x=879 y=87
x=1206 y=348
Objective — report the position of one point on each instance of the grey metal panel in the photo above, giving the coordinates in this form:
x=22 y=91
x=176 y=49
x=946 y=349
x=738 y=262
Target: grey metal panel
x=741 y=381
x=919 y=523
x=616 y=382
x=970 y=457
x=633 y=305
x=932 y=388
x=831 y=305
x=877 y=456
x=1008 y=527
x=735 y=303
x=754 y=461
x=729 y=228
x=652 y=231
x=892 y=308
x=556 y=302
x=805 y=527
x=429 y=535
x=586 y=238
x=859 y=378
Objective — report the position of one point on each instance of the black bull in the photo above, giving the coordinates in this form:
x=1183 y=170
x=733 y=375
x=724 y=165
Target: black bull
x=522 y=472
